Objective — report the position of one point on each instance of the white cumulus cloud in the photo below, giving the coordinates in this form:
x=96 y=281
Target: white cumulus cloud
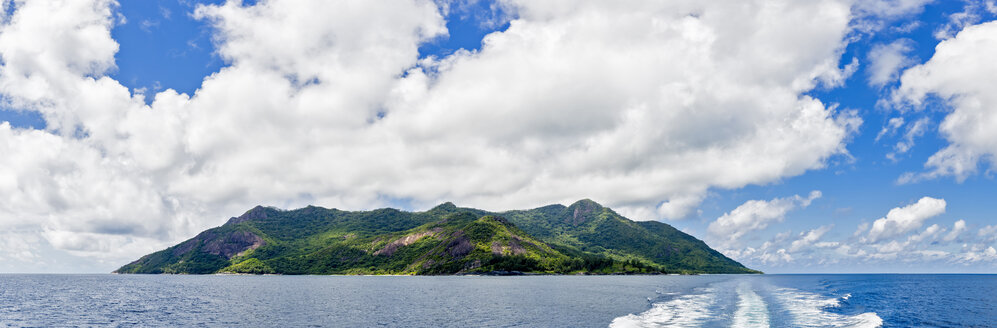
x=957 y=229
x=901 y=220
x=756 y=215
x=963 y=73
x=811 y=238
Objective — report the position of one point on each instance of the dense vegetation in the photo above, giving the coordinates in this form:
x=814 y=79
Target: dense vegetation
x=582 y=238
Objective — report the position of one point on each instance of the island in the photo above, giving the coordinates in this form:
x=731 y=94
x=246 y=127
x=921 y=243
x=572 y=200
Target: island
x=583 y=238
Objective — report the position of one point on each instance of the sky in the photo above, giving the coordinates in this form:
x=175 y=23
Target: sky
x=827 y=136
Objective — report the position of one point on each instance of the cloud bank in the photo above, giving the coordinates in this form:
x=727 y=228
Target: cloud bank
x=894 y=239
x=643 y=105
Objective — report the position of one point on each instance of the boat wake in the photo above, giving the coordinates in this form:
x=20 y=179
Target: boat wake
x=744 y=304
x=682 y=311
x=751 y=309
x=810 y=310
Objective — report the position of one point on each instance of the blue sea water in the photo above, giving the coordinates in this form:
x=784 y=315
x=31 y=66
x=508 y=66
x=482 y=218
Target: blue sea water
x=526 y=301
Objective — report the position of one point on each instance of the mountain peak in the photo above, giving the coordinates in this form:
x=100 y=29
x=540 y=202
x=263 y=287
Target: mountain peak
x=445 y=207
x=256 y=213
x=582 y=211
x=499 y=219
x=586 y=203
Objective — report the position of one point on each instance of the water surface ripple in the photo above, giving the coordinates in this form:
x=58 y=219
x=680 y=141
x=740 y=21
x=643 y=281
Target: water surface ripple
x=532 y=301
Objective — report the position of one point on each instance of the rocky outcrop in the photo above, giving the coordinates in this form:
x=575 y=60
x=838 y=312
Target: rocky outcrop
x=233 y=244
x=514 y=247
x=228 y=245
x=257 y=213
x=393 y=246
x=581 y=211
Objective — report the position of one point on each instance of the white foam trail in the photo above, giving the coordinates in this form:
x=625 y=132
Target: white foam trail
x=683 y=311
x=810 y=310
x=751 y=309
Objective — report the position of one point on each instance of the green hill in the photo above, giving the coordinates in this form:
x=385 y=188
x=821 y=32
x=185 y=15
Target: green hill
x=582 y=238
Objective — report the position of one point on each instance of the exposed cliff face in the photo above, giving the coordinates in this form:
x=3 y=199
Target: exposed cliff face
x=409 y=239
x=459 y=245
x=582 y=211
x=256 y=213
x=205 y=253
x=233 y=244
x=513 y=247
x=227 y=245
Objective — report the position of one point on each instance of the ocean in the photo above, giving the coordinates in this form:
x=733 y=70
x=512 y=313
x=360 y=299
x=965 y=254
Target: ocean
x=887 y=300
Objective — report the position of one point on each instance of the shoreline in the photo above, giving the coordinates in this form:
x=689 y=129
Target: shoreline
x=476 y=274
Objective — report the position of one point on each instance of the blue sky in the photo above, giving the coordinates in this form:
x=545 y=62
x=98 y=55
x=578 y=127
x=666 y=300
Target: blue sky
x=865 y=188
x=162 y=46
x=170 y=44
